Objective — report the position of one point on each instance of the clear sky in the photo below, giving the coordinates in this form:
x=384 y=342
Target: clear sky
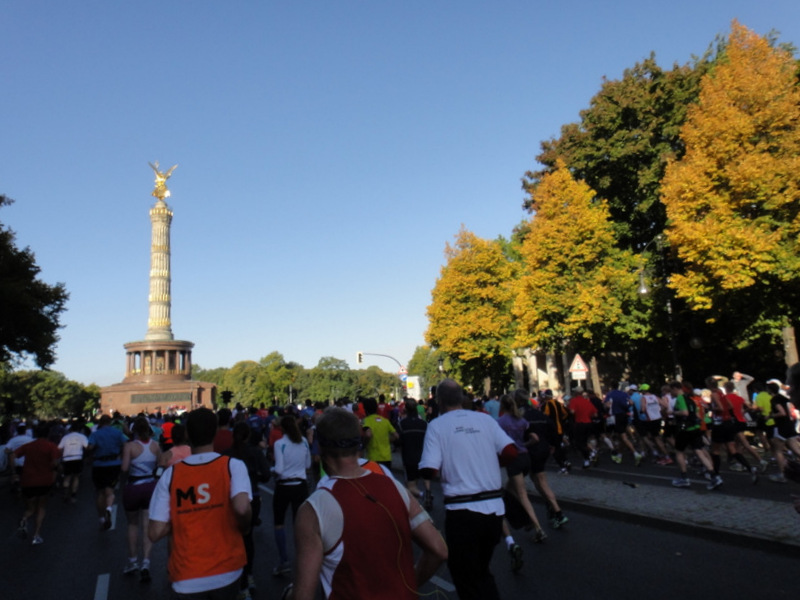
x=327 y=151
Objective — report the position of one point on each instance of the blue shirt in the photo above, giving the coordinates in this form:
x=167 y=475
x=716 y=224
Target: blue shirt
x=107 y=443
x=620 y=403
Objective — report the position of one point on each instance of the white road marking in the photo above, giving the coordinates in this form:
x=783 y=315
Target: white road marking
x=101 y=589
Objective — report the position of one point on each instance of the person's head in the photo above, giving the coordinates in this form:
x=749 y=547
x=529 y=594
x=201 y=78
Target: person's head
x=339 y=433
x=508 y=406
x=290 y=429
x=141 y=429
x=411 y=406
x=241 y=433
x=104 y=420
x=42 y=430
x=201 y=427
x=224 y=416
x=729 y=387
x=370 y=406
x=773 y=387
x=522 y=398
x=449 y=395
x=179 y=437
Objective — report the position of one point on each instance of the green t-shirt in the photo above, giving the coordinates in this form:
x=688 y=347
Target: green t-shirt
x=764 y=402
x=379 y=448
x=692 y=421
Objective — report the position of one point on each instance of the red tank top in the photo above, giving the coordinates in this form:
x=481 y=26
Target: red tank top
x=375 y=563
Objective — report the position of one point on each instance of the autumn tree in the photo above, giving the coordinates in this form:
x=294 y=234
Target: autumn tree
x=622 y=142
x=733 y=199
x=470 y=313
x=578 y=288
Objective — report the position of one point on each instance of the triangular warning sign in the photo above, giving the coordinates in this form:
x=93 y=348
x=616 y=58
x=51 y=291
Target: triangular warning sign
x=578 y=366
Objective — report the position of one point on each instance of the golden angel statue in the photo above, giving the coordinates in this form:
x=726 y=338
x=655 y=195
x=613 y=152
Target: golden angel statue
x=161 y=191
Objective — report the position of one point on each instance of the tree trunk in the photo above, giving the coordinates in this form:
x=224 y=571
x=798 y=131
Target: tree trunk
x=519 y=371
x=533 y=370
x=567 y=375
x=595 y=376
x=552 y=372
x=789 y=346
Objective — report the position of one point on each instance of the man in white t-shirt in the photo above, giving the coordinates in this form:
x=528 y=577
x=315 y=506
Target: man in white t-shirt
x=72 y=447
x=462 y=447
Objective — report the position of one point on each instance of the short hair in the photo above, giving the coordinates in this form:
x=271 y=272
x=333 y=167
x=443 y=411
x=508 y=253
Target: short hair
x=729 y=386
x=201 y=427
x=338 y=432
x=370 y=406
x=411 y=404
x=522 y=397
x=449 y=393
x=224 y=416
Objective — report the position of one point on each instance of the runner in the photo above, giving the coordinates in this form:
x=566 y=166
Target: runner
x=139 y=459
x=36 y=480
x=106 y=443
x=292 y=461
x=72 y=447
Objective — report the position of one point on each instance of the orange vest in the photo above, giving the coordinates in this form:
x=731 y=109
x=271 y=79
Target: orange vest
x=205 y=538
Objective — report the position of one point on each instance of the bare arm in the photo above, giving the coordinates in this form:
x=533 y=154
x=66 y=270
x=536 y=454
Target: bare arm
x=428 y=538
x=157 y=530
x=242 y=511
x=308 y=549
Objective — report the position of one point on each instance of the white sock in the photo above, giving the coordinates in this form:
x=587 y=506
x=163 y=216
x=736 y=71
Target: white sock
x=509 y=541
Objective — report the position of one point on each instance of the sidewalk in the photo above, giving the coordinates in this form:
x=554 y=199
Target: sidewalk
x=714 y=514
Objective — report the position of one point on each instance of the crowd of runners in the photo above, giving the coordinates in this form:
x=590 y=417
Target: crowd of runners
x=452 y=436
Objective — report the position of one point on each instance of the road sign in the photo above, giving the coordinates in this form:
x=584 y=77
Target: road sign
x=578 y=366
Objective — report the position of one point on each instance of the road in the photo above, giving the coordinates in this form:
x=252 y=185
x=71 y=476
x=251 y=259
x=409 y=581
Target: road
x=593 y=556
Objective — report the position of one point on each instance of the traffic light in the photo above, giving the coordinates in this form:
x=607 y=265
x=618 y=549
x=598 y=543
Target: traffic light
x=359 y=357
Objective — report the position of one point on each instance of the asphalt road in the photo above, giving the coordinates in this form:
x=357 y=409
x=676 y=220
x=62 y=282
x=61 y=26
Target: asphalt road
x=591 y=557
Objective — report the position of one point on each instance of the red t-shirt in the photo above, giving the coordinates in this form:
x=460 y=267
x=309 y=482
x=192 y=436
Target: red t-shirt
x=223 y=440
x=583 y=409
x=737 y=403
x=40 y=457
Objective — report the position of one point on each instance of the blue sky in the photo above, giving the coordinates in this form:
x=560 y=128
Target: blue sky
x=327 y=151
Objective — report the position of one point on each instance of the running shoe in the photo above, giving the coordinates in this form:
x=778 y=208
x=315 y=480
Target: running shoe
x=539 y=536
x=22 y=530
x=665 y=461
x=558 y=521
x=281 y=570
x=754 y=475
x=107 y=519
x=37 y=539
x=715 y=483
x=637 y=459
x=681 y=482
x=130 y=568
x=515 y=550
x=563 y=471
x=144 y=572
x=736 y=467
x=778 y=478
x=586 y=464
x=763 y=465
x=617 y=458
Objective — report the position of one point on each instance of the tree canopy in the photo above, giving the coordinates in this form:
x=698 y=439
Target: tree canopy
x=470 y=312
x=31 y=314
x=732 y=199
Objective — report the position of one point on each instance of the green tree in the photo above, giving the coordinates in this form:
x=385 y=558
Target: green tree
x=330 y=379
x=30 y=318
x=425 y=364
x=470 y=313
x=623 y=141
x=578 y=287
x=732 y=199
x=241 y=379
